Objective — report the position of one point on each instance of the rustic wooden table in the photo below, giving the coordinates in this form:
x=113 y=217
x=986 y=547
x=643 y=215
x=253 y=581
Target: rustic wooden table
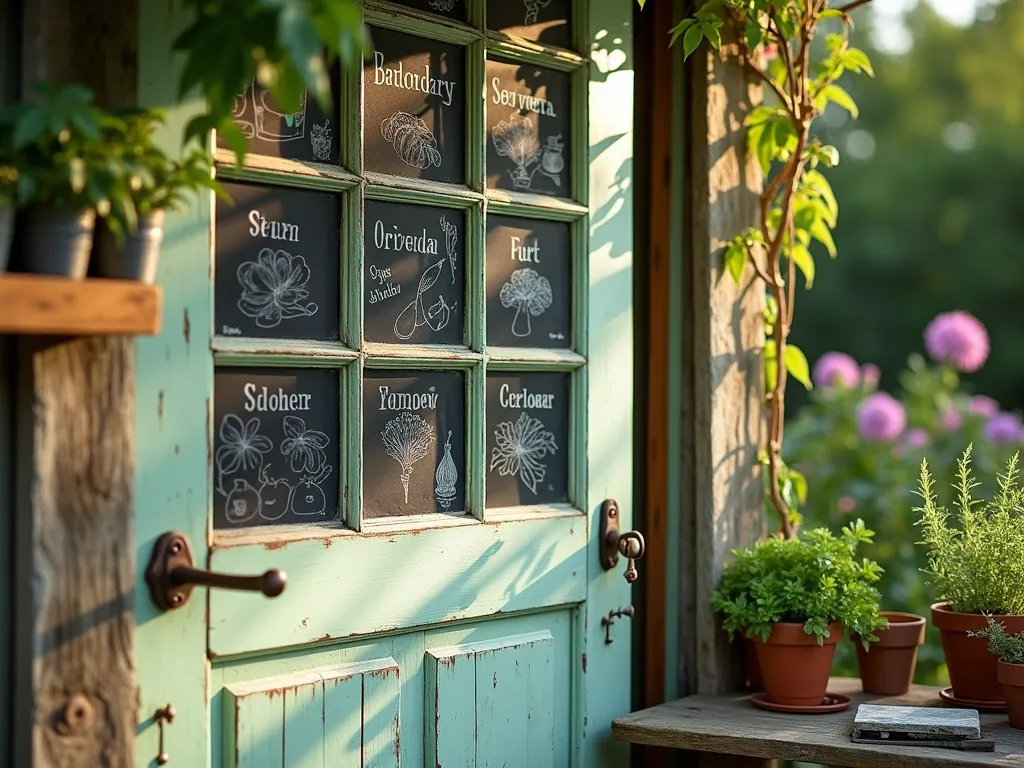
x=731 y=725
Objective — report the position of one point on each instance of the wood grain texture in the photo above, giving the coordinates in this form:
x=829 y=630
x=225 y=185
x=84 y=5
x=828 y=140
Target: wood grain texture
x=723 y=365
x=41 y=304
x=731 y=725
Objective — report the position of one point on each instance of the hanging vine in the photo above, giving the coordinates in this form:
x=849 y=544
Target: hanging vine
x=797 y=206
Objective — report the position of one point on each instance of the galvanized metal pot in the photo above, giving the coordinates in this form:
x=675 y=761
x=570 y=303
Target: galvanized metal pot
x=58 y=241
x=138 y=258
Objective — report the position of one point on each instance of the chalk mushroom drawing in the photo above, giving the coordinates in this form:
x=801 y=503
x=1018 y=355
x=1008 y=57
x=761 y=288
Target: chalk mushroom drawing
x=446 y=476
x=242 y=449
x=519 y=449
x=320 y=140
x=517 y=140
x=451 y=237
x=274 y=288
x=412 y=140
x=417 y=314
x=532 y=8
x=529 y=293
x=407 y=438
x=288 y=127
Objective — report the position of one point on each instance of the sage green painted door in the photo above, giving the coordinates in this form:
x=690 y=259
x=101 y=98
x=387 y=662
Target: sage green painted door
x=399 y=368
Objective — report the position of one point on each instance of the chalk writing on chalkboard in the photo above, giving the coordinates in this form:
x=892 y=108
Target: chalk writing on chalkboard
x=276 y=447
x=277 y=263
x=528 y=124
x=414 y=275
x=455 y=9
x=545 y=21
x=413 y=443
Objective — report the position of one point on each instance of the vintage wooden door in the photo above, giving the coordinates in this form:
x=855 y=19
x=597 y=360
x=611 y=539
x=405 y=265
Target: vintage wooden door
x=398 y=367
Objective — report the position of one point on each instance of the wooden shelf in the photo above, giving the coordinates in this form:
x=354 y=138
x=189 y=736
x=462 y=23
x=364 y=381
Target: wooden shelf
x=57 y=306
x=731 y=725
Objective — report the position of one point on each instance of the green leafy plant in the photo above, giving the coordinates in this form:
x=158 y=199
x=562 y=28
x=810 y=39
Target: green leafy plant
x=976 y=566
x=798 y=208
x=813 y=579
x=1006 y=648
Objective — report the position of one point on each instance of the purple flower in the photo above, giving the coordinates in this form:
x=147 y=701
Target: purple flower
x=836 y=368
x=1004 y=428
x=847 y=504
x=982 y=405
x=917 y=437
x=951 y=419
x=957 y=338
x=870 y=374
x=881 y=417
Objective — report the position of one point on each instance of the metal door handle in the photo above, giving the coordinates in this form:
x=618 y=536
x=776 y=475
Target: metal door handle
x=614 y=543
x=171 y=575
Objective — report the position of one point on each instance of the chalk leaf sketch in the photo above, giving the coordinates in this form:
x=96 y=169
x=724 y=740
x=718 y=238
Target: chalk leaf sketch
x=412 y=140
x=274 y=288
x=243 y=502
x=451 y=238
x=516 y=139
x=529 y=293
x=417 y=313
x=304 y=447
x=443 y=5
x=533 y=8
x=274 y=125
x=519 y=449
x=241 y=449
x=308 y=498
x=446 y=477
x=320 y=140
x=274 y=495
x=407 y=438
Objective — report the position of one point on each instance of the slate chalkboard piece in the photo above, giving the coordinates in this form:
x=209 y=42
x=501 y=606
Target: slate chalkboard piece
x=543 y=21
x=276 y=456
x=528 y=129
x=450 y=9
x=527 y=439
x=529 y=286
x=414 y=444
x=414 y=95
x=277 y=263
x=414 y=275
x=308 y=135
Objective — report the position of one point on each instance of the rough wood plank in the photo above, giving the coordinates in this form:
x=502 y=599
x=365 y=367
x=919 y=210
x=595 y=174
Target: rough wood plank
x=730 y=725
x=42 y=304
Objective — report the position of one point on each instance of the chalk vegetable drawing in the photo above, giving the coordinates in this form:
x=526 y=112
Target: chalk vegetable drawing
x=520 y=448
x=412 y=140
x=446 y=477
x=274 y=288
x=451 y=238
x=529 y=293
x=275 y=496
x=407 y=438
x=417 y=314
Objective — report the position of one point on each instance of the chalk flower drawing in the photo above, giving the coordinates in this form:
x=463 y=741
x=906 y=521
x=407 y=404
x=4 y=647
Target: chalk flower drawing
x=412 y=140
x=407 y=438
x=242 y=447
x=446 y=476
x=529 y=293
x=274 y=288
x=416 y=312
x=320 y=140
x=304 y=447
x=517 y=140
x=532 y=8
x=451 y=237
x=519 y=448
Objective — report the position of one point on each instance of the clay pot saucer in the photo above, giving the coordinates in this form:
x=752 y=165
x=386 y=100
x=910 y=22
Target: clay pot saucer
x=997 y=706
x=833 y=702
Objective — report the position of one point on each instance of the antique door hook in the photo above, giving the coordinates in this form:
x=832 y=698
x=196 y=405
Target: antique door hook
x=171 y=575
x=613 y=543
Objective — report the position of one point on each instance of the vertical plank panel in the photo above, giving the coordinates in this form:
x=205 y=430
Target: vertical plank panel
x=381 y=703
x=540 y=743
x=343 y=720
x=304 y=723
x=502 y=701
x=451 y=714
x=259 y=729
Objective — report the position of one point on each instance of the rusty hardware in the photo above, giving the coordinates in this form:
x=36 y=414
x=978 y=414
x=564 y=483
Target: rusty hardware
x=77 y=716
x=171 y=575
x=163 y=714
x=608 y=620
x=613 y=543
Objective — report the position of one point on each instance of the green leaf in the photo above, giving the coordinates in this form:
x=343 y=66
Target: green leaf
x=771 y=365
x=677 y=31
x=797 y=366
x=754 y=33
x=823 y=235
x=714 y=37
x=736 y=260
x=817 y=182
x=30 y=127
x=831 y=13
x=858 y=61
x=837 y=95
x=691 y=40
x=801 y=256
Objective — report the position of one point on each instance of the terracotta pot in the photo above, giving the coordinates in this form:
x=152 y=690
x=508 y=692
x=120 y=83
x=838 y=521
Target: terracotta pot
x=754 y=681
x=1011 y=677
x=795 y=669
x=972 y=669
x=887 y=667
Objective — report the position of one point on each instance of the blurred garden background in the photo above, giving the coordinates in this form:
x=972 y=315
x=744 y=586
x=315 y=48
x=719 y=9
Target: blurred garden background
x=916 y=330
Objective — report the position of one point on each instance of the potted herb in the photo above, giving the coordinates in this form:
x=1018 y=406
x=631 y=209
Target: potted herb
x=1008 y=650
x=795 y=597
x=976 y=568
x=887 y=667
x=127 y=246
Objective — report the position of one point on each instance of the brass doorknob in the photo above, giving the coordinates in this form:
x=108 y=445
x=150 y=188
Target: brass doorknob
x=614 y=543
x=171 y=575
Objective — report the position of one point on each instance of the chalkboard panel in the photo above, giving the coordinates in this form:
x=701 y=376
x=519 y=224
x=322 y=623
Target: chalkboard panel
x=277 y=256
x=414 y=92
x=545 y=21
x=529 y=290
x=276 y=458
x=414 y=443
x=415 y=275
x=528 y=128
x=452 y=9
x=527 y=439
x=308 y=135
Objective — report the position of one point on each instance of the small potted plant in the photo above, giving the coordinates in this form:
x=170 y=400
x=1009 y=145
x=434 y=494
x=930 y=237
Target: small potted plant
x=887 y=667
x=128 y=245
x=1008 y=650
x=976 y=568
x=795 y=598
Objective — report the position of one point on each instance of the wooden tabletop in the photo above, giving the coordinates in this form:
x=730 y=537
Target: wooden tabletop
x=731 y=725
